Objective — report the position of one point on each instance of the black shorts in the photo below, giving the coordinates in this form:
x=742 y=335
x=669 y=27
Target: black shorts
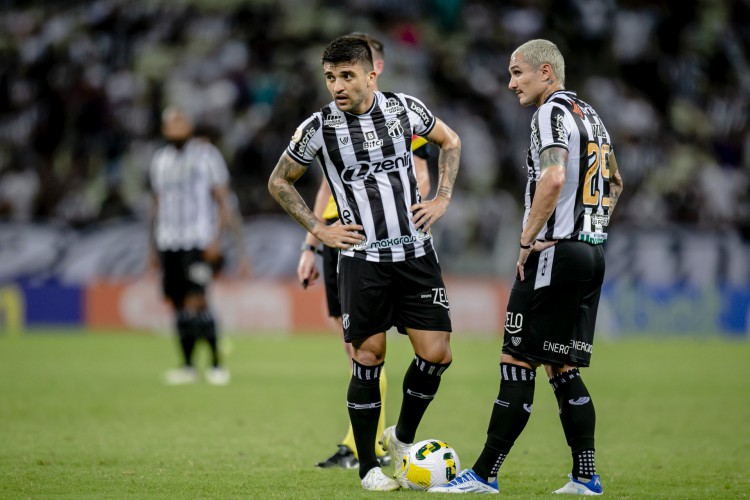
x=551 y=315
x=184 y=272
x=378 y=295
x=330 y=278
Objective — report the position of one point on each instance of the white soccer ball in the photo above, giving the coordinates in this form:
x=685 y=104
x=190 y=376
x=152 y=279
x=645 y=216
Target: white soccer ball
x=428 y=463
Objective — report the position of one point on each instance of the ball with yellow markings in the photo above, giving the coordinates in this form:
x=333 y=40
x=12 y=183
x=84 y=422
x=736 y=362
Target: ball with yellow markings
x=428 y=463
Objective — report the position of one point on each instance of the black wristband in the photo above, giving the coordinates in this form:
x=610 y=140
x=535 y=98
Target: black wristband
x=526 y=247
x=312 y=248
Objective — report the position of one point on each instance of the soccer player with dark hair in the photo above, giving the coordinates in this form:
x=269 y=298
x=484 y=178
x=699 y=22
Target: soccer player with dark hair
x=573 y=187
x=389 y=274
x=190 y=187
x=307 y=270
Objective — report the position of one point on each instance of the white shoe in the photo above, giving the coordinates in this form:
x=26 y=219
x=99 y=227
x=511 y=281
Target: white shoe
x=181 y=376
x=218 y=376
x=467 y=482
x=396 y=449
x=376 y=480
x=578 y=487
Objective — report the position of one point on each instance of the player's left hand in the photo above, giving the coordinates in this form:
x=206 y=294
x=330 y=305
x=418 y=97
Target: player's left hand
x=425 y=214
x=523 y=255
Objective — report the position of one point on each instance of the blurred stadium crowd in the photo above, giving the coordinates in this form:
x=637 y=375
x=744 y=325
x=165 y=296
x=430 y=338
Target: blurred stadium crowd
x=82 y=86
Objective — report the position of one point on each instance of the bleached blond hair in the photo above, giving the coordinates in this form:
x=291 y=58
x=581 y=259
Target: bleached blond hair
x=538 y=52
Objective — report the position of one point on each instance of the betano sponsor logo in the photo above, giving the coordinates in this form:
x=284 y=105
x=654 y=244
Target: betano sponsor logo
x=303 y=140
x=421 y=112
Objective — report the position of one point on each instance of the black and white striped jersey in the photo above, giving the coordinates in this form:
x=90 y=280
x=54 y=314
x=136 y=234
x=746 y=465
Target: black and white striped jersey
x=367 y=160
x=183 y=180
x=582 y=212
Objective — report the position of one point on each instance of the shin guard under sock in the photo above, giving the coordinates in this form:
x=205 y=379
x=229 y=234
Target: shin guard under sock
x=420 y=385
x=578 y=419
x=186 y=334
x=510 y=414
x=363 y=401
x=206 y=325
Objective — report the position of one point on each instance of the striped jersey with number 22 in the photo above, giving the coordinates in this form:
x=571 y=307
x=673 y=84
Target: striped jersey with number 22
x=367 y=160
x=582 y=212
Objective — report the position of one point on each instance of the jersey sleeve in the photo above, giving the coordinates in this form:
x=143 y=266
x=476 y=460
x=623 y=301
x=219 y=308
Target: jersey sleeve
x=550 y=127
x=217 y=166
x=153 y=171
x=420 y=117
x=307 y=140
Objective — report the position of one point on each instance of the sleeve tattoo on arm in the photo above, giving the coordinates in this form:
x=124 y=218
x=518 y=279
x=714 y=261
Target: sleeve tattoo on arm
x=448 y=166
x=553 y=156
x=281 y=186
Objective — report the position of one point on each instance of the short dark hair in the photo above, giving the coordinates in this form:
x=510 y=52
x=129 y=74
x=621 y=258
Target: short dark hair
x=378 y=51
x=348 y=49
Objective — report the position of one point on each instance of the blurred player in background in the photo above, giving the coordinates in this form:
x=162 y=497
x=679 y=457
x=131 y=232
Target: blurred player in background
x=573 y=188
x=389 y=274
x=190 y=186
x=308 y=272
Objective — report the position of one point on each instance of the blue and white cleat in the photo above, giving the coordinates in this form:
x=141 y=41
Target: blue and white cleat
x=576 y=487
x=467 y=482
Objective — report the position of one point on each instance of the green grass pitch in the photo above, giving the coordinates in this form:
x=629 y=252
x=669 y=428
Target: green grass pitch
x=86 y=416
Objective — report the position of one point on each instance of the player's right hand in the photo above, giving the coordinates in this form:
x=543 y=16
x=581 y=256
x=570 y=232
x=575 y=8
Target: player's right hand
x=307 y=269
x=338 y=235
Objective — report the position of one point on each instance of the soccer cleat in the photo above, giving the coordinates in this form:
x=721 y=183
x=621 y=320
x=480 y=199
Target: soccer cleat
x=467 y=482
x=395 y=448
x=344 y=458
x=181 y=376
x=376 y=480
x=576 y=487
x=218 y=376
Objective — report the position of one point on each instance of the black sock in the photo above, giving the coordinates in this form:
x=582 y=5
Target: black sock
x=509 y=417
x=207 y=327
x=363 y=401
x=578 y=419
x=420 y=385
x=187 y=334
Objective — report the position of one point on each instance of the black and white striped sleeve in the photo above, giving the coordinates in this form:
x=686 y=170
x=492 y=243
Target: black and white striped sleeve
x=306 y=141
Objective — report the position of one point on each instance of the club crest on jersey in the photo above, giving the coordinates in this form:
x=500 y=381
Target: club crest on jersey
x=334 y=120
x=392 y=105
x=344 y=140
x=372 y=141
x=394 y=127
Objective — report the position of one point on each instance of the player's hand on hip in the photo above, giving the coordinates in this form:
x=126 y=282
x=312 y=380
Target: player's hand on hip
x=425 y=214
x=523 y=255
x=338 y=235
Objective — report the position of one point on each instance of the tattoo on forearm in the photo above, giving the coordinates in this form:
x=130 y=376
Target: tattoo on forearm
x=448 y=162
x=281 y=187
